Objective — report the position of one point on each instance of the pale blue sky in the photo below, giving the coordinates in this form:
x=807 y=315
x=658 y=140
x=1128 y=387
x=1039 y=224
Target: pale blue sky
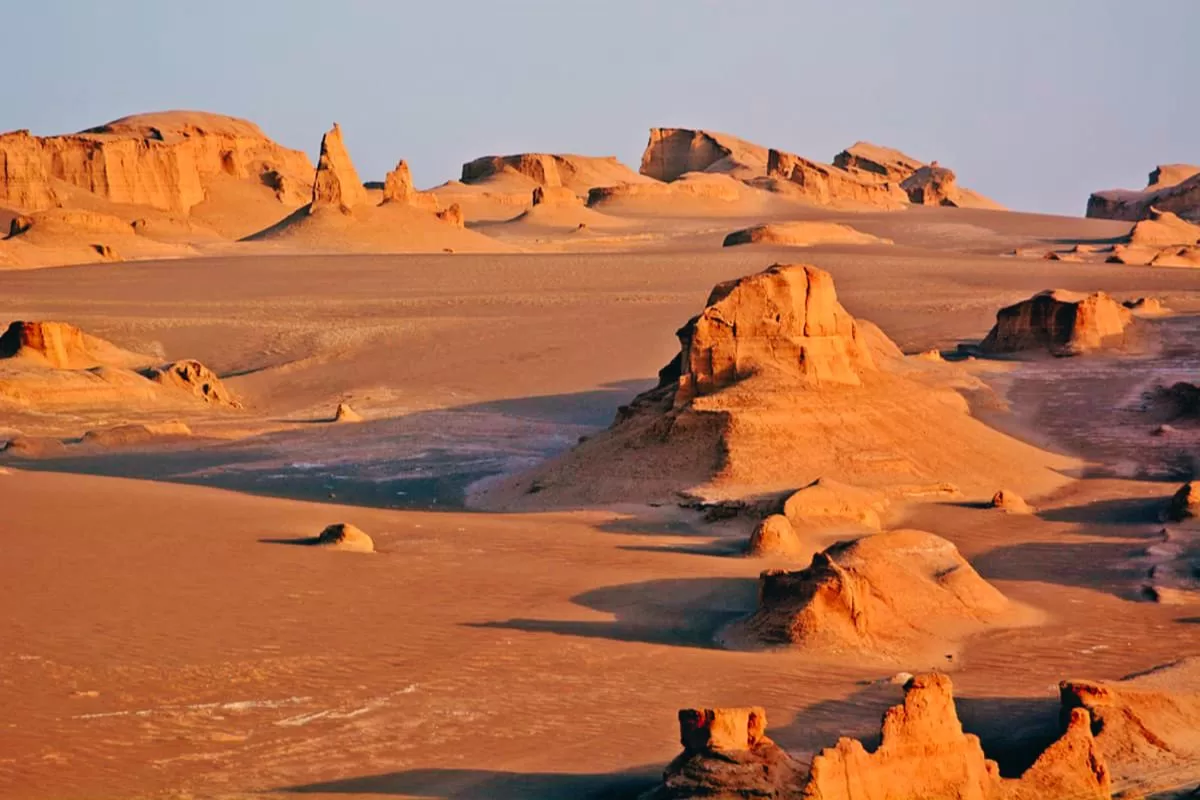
x=1033 y=102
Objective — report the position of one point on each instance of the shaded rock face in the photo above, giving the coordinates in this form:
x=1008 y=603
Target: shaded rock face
x=551 y=170
x=671 y=152
x=1063 y=323
x=1185 y=503
x=1171 y=187
x=346 y=537
x=554 y=196
x=887 y=594
x=786 y=320
x=196 y=379
x=1010 y=502
x=1145 y=725
x=726 y=753
x=336 y=184
x=931 y=186
x=164 y=161
x=883 y=161
x=826 y=185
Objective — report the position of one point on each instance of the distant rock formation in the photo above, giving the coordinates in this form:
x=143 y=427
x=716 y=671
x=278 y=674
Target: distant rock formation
x=551 y=170
x=1162 y=239
x=134 y=434
x=1145 y=725
x=346 y=537
x=163 y=160
x=1063 y=323
x=801 y=234
x=824 y=184
x=727 y=754
x=453 y=214
x=1171 y=187
x=554 y=196
x=931 y=186
x=398 y=188
x=888 y=595
x=671 y=152
x=60 y=345
x=1147 y=307
x=688 y=191
x=336 y=184
x=923 y=754
x=196 y=379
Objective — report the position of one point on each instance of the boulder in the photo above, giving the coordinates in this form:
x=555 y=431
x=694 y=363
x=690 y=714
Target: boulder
x=1171 y=187
x=774 y=536
x=345 y=413
x=1063 y=323
x=1010 y=502
x=888 y=595
x=1185 y=503
x=167 y=160
x=827 y=503
x=196 y=379
x=672 y=152
x=727 y=754
x=883 y=161
x=336 y=184
x=346 y=537
x=932 y=185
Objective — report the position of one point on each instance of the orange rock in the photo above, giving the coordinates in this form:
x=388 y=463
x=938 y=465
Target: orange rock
x=453 y=215
x=1010 y=502
x=828 y=185
x=551 y=170
x=398 y=188
x=1064 y=323
x=336 y=184
x=883 y=161
x=801 y=234
x=196 y=379
x=932 y=186
x=554 y=196
x=1171 y=187
x=826 y=503
x=672 y=152
x=345 y=413
x=774 y=536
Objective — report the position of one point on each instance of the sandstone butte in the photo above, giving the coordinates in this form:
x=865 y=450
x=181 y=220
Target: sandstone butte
x=770 y=366
x=336 y=184
x=166 y=160
x=889 y=595
x=1060 y=322
x=862 y=175
x=522 y=171
x=924 y=754
x=1170 y=187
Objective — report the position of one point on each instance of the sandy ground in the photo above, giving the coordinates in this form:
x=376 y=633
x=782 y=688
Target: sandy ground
x=154 y=645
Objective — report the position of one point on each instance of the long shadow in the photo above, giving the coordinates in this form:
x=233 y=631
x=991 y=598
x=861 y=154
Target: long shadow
x=1102 y=566
x=477 y=784
x=682 y=612
x=1122 y=511
x=424 y=460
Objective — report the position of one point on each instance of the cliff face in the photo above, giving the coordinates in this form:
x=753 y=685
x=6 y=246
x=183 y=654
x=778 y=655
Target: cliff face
x=1170 y=187
x=825 y=185
x=164 y=161
x=673 y=151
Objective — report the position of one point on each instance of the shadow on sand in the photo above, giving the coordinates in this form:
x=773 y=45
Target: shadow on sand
x=682 y=612
x=472 y=784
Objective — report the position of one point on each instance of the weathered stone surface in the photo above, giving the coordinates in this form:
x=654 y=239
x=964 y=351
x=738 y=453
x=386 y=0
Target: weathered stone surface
x=671 y=152
x=345 y=413
x=453 y=214
x=336 y=184
x=575 y=172
x=60 y=345
x=883 y=161
x=1185 y=503
x=398 y=188
x=1171 y=187
x=932 y=185
x=823 y=184
x=801 y=234
x=1010 y=502
x=198 y=380
x=1061 y=322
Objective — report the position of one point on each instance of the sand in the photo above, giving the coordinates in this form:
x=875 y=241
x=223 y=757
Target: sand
x=157 y=643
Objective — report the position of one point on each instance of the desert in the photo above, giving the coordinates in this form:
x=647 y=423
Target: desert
x=556 y=430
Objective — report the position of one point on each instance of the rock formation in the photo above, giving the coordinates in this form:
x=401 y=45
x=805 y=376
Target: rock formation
x=774 y=536
x=823 y=184
x=196 y=379
x=801 y=234
x=1145 y=725
x=1063 y=323
x=1171 y=187
x=1010 y=502
x=398 y=188
x=60 y=345
x=1161 y=239
x=888 y=595
x=347 y=537
x=923 y=754
x=883 y=161
x=1147 y=307
x=336 y=184
x=931 y=186
x=671 y=152
x=453 y=214
x=165 y=161
x=554 y=196
x=1185 y=503
x=551 y=170
x=345 y=413
x=826 y=503
x=133 y=434
x=727 y=754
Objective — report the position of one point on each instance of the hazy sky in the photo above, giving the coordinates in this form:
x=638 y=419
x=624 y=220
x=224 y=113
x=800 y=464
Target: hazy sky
x=1033 y=102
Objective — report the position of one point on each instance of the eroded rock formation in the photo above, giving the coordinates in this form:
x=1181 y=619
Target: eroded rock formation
x=828 y=185
x=1010 y=502
x=1185 y=503
x=883 y=161
x=346 y=537
x=801 y=234
x=775 y=536
x=1171 y=187
x=196 y=379
x=164 y=160
x=336 y=184
x=893 y=593
x=344 y=413
x=1063 y=323
x=671 y=152
x=551 y=170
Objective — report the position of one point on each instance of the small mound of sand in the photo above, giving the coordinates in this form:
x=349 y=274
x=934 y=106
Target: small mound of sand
x=673 y=152
x=123 y=435
x=1163 y=229
x=774 y=536
x=888 y=595
x=60 y=345
x=1063 y=323
x=347 y=537
x=827 y=503
x=345 y=413
x=727 y=754
x=196 y=379
x=801 y=234
x=1010 y=502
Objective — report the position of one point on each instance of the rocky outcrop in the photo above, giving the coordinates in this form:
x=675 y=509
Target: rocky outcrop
x=398 y=188
x=453 y=214
x=1010 y=502
x=346 y=537
x=689 y=190
x=551 y=170
x=336 y=184
x=166 y=161
x=1185 y=503
x=1171 y=187
x=1145 y=725
x=1063 y=323
x=344 y=413
x=885 y=162
x=554 y=196
x=801 y=234
x=775 y=536
x=889 y=594
x=672 y=152
x=785 y=320
x=823 y=184
x=727 y=754
x=134 y=434
x=59 y=345
x=196 y=379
